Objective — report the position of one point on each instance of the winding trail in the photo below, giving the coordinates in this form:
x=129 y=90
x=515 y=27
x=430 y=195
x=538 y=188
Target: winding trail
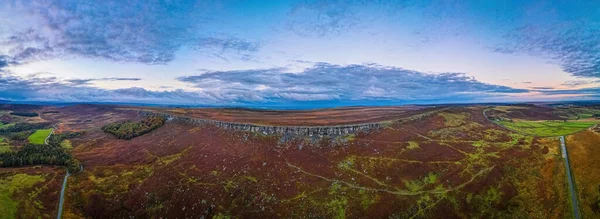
x=572 y=190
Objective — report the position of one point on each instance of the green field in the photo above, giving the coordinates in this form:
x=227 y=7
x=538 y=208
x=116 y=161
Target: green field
x=39 y=136
x=547 y=128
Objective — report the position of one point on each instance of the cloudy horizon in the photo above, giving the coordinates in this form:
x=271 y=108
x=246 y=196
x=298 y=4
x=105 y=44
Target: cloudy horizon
x=304 y=54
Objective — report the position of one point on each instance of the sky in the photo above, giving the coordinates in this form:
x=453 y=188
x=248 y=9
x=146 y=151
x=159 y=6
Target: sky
x=299 y=54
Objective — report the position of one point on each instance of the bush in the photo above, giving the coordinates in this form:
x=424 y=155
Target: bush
x=129 y=129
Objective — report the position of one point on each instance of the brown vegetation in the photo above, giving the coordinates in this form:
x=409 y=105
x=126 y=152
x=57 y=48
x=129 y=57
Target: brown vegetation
x=584 y=153
x=336 y=116
x=430 y=162
x=453 y=163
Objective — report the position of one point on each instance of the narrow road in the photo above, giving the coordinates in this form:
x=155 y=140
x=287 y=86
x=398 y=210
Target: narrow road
x=46 y=139
x=62 y=196
x=572 y=191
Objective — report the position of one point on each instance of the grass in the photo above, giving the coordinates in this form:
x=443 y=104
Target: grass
x=39 y=136
x=413 y=145
x=66 y=144
x=4 y=146
x=454 y=119
x=547 y=128
x=10 y=185
x=2 y=126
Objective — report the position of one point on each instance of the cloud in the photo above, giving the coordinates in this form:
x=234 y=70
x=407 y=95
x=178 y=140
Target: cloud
x=88 y=81
x=52 y=89
x=322 y=18
x=224 y=47
x=125 y=31
x=564 y=32
x=578 y=83
x=325 y=81
x=3 y=63
x=594 y=91
x=322 y=85
x=6 y=61
x=542 y=88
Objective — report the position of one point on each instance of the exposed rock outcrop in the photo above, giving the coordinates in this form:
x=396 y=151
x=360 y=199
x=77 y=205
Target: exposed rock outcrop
x=319 y=131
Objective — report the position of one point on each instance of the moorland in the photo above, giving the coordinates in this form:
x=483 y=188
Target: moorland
x=445 y=161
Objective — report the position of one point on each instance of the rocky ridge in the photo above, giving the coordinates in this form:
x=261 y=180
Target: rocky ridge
x=310 y=131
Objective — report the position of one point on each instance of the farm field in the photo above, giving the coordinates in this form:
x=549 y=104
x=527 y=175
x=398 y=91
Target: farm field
x=584 y=151
x=548 y=128
x=39 y=136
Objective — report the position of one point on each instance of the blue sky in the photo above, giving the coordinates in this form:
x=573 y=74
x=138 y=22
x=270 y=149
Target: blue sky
x=301 y=54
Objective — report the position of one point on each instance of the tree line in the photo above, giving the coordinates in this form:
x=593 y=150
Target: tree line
x=50 y=154
x=21 y=131
x=24 y=114
x=130 y=129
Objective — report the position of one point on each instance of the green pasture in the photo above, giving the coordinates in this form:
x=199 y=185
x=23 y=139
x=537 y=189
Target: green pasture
x=39 y=136
x=548 y=128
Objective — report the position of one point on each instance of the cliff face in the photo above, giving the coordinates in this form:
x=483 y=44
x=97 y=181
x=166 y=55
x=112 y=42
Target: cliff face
x=320 y=131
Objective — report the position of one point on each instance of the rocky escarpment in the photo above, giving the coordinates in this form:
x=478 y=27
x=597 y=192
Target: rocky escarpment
x=312 y=131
